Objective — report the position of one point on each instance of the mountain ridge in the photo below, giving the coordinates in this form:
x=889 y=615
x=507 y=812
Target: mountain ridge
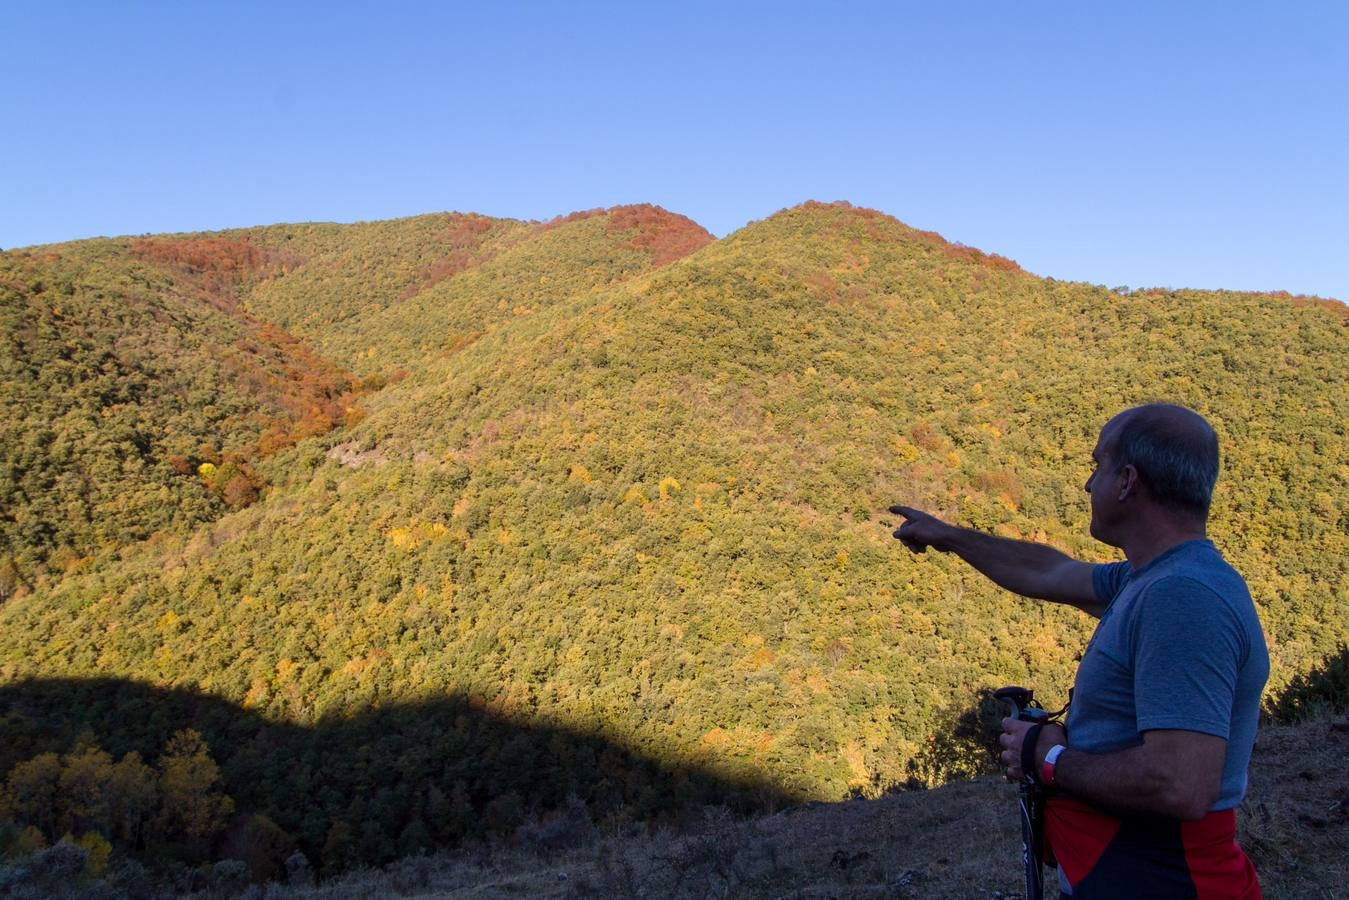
x=645 y=501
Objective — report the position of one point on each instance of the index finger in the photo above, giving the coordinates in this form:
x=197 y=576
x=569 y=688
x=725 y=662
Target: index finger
x=907 y=512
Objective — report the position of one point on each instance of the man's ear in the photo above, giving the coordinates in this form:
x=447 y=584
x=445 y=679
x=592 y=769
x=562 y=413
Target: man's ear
x=1128 y=481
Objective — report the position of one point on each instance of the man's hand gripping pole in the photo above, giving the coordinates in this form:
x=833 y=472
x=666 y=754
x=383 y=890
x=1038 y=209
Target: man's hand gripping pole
x=1026 y=708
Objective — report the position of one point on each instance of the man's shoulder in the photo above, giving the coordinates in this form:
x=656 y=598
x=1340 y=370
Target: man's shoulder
x=1209 y=599
x=1196 y=567
x=1195 y=596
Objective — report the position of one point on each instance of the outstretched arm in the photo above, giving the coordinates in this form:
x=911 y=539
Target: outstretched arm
x=1032 y=570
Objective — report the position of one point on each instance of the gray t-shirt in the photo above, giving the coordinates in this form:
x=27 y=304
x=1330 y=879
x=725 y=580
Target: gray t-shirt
x=1178 y=647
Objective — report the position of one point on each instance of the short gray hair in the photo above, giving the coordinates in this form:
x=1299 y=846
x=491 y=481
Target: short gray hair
x=1175 y=451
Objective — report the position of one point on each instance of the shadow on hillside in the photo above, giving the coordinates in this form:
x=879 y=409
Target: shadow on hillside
x=963 y=742
x=386 y=782
x=1322 y=690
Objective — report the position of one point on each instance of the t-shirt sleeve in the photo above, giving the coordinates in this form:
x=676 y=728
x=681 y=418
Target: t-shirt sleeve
x=1187 y=648
x=1108 y=579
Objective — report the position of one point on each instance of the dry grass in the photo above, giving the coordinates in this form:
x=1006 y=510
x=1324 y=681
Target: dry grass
x=1295 y=821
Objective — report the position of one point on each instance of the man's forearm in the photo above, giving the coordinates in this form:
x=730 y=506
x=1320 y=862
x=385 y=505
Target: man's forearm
x=1032 y=570
x=1172 y=773
x=1019 y=566
x=1136 y=780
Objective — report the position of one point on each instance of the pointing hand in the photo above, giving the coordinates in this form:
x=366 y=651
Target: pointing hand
x=920 y=531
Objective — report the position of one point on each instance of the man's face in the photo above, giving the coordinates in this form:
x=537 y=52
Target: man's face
x=1102 y=487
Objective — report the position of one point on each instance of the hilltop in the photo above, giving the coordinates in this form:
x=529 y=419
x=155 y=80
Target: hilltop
x=604 y=478
x=131 y=363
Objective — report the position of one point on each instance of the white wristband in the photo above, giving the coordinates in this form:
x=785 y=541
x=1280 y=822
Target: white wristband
x=1051 y=760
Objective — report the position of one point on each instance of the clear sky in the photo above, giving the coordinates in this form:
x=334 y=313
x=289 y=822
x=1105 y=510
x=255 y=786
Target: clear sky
x=1148 y=144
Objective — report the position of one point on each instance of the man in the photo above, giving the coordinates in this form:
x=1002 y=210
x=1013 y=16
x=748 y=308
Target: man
x=1153 y=760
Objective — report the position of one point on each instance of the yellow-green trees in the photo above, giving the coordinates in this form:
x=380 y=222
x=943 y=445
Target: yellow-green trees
x=191 y=805
x=646 y=506
x=32 y=792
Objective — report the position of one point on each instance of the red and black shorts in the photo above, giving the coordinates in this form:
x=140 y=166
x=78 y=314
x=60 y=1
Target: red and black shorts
x=1103 y=857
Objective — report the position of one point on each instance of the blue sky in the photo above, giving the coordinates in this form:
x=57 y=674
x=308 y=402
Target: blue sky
x=1150 y=144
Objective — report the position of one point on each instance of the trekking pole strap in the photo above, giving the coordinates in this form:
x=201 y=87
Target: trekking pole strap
x=1028 y=768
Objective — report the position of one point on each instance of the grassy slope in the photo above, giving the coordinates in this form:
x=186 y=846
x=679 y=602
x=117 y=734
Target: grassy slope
x=961 y=840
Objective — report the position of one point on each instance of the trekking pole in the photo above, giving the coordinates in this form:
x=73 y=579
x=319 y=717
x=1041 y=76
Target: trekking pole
x=1026 y=708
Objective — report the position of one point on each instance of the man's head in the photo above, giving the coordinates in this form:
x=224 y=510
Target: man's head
x=1161 y=453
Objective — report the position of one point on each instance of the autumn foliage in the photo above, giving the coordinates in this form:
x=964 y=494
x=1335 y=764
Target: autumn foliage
x=665 y=235
x=226 y=257
x=464 y=235
x=218 y=264
x=887 y=229
x=308 y=395
x=634 y=514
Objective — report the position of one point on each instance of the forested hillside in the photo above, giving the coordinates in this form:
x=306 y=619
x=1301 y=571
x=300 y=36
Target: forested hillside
x=136 y=397
x=378 y=297
x=129 y=365
x=608 y=480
